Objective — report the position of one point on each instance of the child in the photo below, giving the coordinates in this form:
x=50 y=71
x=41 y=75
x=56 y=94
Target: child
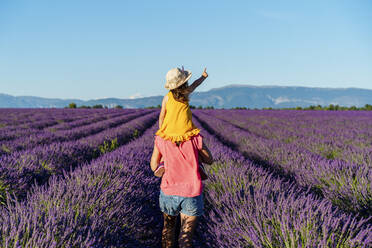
x=175 y=120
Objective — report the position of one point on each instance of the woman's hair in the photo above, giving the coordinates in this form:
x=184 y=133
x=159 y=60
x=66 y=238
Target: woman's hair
x=181 y=93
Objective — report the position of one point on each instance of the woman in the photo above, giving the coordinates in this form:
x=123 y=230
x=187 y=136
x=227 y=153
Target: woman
x=181 y=187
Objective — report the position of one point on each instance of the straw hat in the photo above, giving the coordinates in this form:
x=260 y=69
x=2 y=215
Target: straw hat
x=176 y=77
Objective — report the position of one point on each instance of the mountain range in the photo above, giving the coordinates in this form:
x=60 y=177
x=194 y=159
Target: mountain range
x=225 y=97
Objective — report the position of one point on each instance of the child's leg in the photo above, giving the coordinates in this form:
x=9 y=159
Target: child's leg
x=169 y=228
x=188 y=225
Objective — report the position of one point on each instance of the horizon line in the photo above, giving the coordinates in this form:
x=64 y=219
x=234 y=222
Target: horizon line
x=229 y=85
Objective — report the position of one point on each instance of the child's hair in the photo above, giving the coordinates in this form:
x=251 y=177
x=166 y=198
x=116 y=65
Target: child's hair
x=181 y=93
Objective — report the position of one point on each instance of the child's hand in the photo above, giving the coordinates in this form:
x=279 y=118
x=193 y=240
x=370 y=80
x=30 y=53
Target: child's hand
x=205 y=74
x=198 y=81
x=159 y=170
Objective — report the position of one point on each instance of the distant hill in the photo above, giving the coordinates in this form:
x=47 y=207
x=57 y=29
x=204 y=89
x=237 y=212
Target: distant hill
x=224 y=97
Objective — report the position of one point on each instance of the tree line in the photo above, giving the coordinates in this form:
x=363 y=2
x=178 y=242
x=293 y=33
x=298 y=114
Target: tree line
x=331 y=107
x=97 y=106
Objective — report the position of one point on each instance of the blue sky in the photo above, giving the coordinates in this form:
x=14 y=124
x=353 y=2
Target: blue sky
x=94 y=49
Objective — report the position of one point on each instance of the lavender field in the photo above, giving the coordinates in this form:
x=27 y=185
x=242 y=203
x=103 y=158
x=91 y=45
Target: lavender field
x=81 y=178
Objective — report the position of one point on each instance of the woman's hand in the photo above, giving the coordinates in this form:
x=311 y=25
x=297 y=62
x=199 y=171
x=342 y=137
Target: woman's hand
x=155 y=158
x=205 y=74
x=205 y=155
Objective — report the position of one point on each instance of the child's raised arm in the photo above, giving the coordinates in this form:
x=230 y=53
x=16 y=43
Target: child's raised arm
x=198 y=81
x=163 y=110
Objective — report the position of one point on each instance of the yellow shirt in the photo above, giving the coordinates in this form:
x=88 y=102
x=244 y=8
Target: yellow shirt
x=177 y=124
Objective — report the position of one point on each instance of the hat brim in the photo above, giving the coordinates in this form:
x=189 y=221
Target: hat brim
x=181 y=83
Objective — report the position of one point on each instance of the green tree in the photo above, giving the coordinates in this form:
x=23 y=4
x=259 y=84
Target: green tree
x=353 y=108
x=85 y=107
x=331 y=107
x=312 y=107
x=72 y=105
x=368 y=107
x=319 y=107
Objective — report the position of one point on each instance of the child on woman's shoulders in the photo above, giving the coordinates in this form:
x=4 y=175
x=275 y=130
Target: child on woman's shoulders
x=175 y=120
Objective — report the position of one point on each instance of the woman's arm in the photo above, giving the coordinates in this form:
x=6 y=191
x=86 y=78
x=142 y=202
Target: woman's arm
x=205 y=155
x=163 y=111
x=155 y=158
x=198 y=81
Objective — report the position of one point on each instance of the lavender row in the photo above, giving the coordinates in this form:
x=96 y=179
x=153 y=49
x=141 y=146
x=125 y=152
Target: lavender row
x=90 y=119
x=14 y=117
x=347 y=185
x=23 y=118
x=47 y=137
x=111 y=202
x=331 y=136
x=249 y=207
x=334 y=135
x=13 y=131
x=77 y=122
x=64 y=123
x=20 y=170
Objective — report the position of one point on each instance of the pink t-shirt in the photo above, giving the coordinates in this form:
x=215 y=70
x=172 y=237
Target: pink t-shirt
x=181 y=176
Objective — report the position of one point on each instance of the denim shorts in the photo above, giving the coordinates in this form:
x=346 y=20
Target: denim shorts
x=173 y=204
